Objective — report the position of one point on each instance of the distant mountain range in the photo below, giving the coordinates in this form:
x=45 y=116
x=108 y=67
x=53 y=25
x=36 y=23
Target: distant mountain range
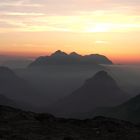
x=96 y=97
x=99 y=91
x=61 y=58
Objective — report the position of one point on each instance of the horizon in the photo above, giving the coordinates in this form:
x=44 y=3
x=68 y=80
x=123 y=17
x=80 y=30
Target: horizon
x=7 y=57
x=36 y=28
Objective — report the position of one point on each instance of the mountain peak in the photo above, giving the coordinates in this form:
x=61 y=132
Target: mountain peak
x=59 y=53
x=101 y=76
x=99 y=91
x=59 y=57
x=74 y=54
x=4 y=71
x=101 y=80
x=2 y=68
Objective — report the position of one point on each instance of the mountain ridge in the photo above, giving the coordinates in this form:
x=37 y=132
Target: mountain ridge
x=16 y=89
x=128 y=110
x=61 y=58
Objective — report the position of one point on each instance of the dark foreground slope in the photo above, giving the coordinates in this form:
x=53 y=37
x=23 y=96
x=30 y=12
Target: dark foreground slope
x=16 y=124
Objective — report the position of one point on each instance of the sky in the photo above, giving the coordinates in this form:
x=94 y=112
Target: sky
x=39 y=27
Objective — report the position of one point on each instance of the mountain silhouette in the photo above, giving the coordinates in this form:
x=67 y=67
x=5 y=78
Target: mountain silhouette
x=99 y=91
x=61 y=58
x=74 y=54
x=10 y=83
x=15 y=88
x=129 y=111
x=99 y=59
x=59 y=53
x=8 y=102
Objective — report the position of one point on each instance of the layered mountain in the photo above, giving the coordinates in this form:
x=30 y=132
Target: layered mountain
x=99 y=91
x=61 y=58
x=15 y=88
x=8 y=102
x=10 y=83
x=16 y=124
x=130 y=110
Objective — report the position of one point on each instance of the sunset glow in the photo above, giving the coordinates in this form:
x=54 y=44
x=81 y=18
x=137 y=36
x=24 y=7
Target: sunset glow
x=39 y=27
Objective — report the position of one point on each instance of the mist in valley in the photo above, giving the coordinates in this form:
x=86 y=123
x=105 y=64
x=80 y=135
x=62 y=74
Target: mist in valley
x=55 y=82
x=76 y=87
x=127 y=76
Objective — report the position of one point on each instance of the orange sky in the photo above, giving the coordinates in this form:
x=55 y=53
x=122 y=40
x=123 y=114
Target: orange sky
x=109 y=27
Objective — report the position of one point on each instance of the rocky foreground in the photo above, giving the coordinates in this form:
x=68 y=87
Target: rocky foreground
x=16 y=124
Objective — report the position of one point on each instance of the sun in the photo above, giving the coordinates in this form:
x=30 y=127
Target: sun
x=99 y=28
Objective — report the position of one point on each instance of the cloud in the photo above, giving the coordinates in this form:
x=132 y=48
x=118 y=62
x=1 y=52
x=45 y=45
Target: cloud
x=101 y=42
x=70 y=15
x=67 y=7
x=21 y=14
x=19 y=3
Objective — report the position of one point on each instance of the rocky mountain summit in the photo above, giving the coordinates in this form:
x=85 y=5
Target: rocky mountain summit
x=62 y=58
x=101 y=90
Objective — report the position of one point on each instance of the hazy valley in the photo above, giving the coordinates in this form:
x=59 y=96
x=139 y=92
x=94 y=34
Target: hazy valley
x=71 y=86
